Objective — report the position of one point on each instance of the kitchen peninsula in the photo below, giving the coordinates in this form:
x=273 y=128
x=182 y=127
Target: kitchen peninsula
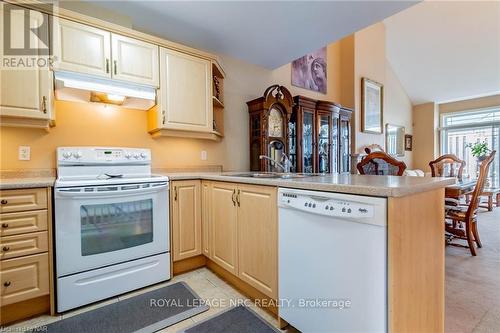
x=221 y=229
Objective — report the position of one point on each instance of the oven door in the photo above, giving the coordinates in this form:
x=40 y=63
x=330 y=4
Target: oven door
x=97 y=226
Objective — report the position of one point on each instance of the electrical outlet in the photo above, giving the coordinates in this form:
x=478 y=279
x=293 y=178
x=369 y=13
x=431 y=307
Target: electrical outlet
x=204 y=155
x=24 y=153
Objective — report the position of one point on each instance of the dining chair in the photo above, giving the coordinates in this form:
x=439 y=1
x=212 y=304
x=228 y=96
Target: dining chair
x=463 y=223
x=447 y=165
x=380 y=163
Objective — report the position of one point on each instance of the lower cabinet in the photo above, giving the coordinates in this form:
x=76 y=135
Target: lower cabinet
x=186 y=219
x=223 y=221
x=234 y=225
x=25 y=253
x=258 y=238
x=243 y=224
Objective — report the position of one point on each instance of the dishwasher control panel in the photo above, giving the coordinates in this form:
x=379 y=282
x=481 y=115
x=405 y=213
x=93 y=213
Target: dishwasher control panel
x=324 y=205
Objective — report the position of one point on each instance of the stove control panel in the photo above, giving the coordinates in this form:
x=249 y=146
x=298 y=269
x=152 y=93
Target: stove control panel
x=99 y=155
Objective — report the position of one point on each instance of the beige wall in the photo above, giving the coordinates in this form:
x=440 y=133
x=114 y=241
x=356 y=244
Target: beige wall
x=426 y=121
x=370 y=61
x=425 y=136
x=398 y=108
x=100 y=125
x=470 y=104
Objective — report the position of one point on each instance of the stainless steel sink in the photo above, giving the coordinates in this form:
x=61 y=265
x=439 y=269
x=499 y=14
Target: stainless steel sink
x=272 y=175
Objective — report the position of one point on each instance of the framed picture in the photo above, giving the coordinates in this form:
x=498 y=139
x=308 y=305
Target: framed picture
x=309 y=71
x=408 y=142
x=371 y=106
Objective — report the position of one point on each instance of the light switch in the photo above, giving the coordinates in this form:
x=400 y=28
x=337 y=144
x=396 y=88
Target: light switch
x=24 y=153
x=204 y=155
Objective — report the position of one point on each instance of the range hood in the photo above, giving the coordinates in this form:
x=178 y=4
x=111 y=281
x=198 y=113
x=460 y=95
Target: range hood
x=85 y=88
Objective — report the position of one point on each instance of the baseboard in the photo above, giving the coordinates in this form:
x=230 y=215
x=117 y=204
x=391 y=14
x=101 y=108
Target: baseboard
x=189 y=264
x=24 y=310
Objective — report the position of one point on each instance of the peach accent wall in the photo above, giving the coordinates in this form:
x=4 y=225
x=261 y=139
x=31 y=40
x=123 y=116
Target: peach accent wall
x=105 y=125
x=283 y=76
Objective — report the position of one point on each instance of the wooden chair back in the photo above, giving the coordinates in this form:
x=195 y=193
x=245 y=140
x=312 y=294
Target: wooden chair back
x=380 y=163
x=476 y=194
x=448 y=165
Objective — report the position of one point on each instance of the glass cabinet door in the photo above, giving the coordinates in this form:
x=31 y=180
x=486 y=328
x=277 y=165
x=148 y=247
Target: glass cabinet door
x=307 y=142
x=292 y=142
x=345 y=149
x=324 y=143
x=335 y=145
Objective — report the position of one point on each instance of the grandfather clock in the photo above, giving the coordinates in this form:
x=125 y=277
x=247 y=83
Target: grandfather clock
x=269 y=117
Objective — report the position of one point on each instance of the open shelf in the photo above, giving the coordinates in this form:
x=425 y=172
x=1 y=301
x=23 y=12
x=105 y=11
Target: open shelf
x=217 y=102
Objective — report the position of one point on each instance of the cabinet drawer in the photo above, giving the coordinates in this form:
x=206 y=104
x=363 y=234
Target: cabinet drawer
x=24 y=278
x=23 y=245
x=23 y=222
x=23 y=200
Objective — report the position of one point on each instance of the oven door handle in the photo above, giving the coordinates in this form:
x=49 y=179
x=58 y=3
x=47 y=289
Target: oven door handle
x=73 y=193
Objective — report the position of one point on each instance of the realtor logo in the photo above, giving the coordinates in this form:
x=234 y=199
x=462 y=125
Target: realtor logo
x=25 y=31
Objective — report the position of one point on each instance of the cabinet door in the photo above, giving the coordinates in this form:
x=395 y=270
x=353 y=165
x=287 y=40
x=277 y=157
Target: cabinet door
x=205 y=218
x=308 y=135
x=324 y=139
x=25 y=93
x=224 y=226
x=134 y=60
x=186 y=219
x=81 y=48
x=258 y=238
x=186 y=92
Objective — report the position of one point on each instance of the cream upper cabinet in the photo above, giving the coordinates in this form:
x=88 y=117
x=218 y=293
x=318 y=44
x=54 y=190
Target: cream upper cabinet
x=186 y=92
x=258 y=238
x=224 y=226
x=81 y=48
x=135 y=61
x=186 y=219
x=25 y=93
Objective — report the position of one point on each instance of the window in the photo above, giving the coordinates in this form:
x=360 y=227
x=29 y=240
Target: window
x=461 y=128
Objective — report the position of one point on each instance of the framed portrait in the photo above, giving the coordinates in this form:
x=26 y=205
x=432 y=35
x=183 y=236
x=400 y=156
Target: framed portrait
x=408 y=142
x=372 y=108
x=309 y=71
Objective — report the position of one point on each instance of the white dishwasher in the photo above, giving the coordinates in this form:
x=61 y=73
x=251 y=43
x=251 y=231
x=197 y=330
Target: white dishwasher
x=332 y=261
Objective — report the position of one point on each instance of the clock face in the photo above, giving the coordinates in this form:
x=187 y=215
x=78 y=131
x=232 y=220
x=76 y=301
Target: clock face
x=275 y=123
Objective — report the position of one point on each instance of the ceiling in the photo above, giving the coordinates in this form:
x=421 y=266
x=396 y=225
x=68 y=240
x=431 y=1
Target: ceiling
x=266 y=33
x=446 y=50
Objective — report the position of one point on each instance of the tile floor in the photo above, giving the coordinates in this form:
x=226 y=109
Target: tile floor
x=472 y=288
x=206 y=284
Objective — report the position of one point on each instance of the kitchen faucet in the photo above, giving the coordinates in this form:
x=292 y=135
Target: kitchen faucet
x=285 y=164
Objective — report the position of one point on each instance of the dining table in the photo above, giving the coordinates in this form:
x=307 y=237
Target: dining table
x=460 y=188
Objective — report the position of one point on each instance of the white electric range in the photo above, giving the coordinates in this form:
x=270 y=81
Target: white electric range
x=111 y=224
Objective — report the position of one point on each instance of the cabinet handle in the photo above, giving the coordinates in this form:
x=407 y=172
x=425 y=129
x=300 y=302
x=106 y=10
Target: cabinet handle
x=175 y=193
x=44 y=104
x=6 y=248
x=107 y=66
x=238 y=198
x=6 y=283
x=4 y=202
x=5 y=225
x=116 y=71
x=233 y=197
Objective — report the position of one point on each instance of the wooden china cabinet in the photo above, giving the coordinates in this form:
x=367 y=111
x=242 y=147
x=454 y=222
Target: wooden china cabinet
x=269 y=117
x=319 y=136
